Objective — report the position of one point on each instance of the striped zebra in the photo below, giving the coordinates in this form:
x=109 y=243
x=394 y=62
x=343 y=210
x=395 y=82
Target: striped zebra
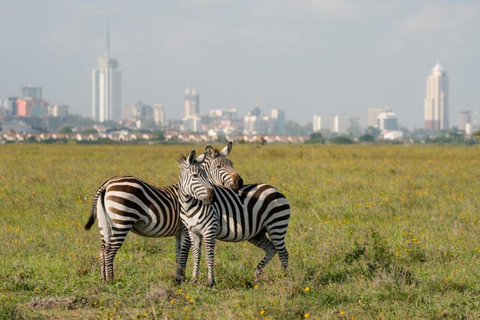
x=126 y=203
x=219 y=168
x=250 y=213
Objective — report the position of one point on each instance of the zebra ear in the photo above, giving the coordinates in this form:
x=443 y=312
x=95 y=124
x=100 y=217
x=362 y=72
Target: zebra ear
x=191 y=157
x=209 y=151
x=201 y=158
x=226 y=151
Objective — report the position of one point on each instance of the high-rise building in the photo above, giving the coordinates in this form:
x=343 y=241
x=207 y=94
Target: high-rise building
x=317 y=123
x=107 y=88
x=9 y=106
x=278 y=120
x=31 y=92
x=192 y=102
x=28 y=107
x=464 y=119
x=159 y=114
x=436 y=100
x=374 y=112
x=387 y=121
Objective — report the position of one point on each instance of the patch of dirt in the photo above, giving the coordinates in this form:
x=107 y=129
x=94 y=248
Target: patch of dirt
x=53 y=303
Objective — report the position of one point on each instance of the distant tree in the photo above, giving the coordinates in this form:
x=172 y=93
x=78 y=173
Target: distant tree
x=159 y=135
x=374 y=132
x=367 y=138
x=477 y=134
x=90 y=131
x=315 y=137
x=293 y=128
x=65 y=129
x=341 y=140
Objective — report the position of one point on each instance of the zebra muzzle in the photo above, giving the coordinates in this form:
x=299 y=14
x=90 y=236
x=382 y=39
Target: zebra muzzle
x=236 y=183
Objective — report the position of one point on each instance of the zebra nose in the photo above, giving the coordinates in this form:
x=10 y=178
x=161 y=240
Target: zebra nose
x=236 y=183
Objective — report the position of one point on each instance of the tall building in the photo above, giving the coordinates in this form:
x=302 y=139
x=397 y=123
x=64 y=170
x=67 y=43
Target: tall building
x=317 y=123
x=31 y=92
x=278 y=120
x=159 y=114
x=192 y=102
x=436 y=100
x=107 y=88
x=28 y=107
x=9 y=106
x=387 y=121
x=374 y=112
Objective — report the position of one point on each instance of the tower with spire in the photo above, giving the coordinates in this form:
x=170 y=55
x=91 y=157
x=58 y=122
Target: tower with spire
x=436 y=100
x=107 y=87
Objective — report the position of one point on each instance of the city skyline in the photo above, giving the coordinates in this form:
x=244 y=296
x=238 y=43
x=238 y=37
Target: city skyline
x=304 y=57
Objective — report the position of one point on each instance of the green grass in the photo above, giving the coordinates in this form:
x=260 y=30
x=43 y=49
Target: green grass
x=376 y=232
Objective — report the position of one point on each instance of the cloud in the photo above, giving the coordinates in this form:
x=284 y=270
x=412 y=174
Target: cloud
x=432 y=26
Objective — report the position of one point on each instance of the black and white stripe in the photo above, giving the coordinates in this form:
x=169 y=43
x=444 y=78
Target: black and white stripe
x=252 y=213
x=126 y=203
x=219 y=168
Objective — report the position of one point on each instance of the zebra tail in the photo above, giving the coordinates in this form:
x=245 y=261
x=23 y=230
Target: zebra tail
x=93 y=213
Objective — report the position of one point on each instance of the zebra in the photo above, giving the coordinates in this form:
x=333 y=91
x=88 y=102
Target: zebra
x=250 y=213
x=219 y=168
x=126 y=203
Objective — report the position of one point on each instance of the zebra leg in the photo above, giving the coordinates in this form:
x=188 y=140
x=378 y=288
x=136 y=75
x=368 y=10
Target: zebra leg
x=182 y=247
x=261 y=241
x=102 y=260
x=196 y=254
x=210 y=255
x=279 y=243
x=112 y=247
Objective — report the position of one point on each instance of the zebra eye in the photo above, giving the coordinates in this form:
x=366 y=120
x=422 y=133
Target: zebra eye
x=218 y=166
x=195 y=175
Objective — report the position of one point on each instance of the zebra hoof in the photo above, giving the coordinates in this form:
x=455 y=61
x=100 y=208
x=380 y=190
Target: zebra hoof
x=210 y=284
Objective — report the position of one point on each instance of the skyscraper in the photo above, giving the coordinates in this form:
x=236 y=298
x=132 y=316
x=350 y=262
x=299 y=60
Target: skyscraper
x=436 y=100
x=192 y=102
x=107 y=88
x=374 y=112
x=31 y=92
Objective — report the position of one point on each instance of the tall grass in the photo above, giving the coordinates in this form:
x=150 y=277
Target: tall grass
x=376 y=231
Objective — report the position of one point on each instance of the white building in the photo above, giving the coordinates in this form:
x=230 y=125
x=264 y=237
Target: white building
x=107 y=88
x=373 y=113
x=387 y=121
x=317 y=123
x=192 y=124
x=159 y=114
x=250 y=124
x=277 y=117
x=436 y=100
x=58 y=110
x=192 y=102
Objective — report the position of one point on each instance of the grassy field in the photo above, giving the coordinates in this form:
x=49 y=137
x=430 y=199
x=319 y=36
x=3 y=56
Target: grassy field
x=376 y=232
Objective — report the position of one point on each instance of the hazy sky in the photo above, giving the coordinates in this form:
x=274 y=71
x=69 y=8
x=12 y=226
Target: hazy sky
x=306 y=57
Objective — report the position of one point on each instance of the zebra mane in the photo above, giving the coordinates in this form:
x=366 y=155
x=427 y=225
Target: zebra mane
x=216 y=152
x=181 y=158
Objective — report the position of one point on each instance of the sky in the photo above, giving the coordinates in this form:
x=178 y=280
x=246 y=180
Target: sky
x=311 y=57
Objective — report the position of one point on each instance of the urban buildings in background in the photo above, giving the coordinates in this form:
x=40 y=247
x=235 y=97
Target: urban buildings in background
x=107 y=88
x=106 y=106
x=30 y=103
x=436 y=100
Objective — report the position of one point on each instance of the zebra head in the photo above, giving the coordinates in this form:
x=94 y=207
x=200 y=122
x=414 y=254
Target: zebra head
x=193 y=181
x=220 y=170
